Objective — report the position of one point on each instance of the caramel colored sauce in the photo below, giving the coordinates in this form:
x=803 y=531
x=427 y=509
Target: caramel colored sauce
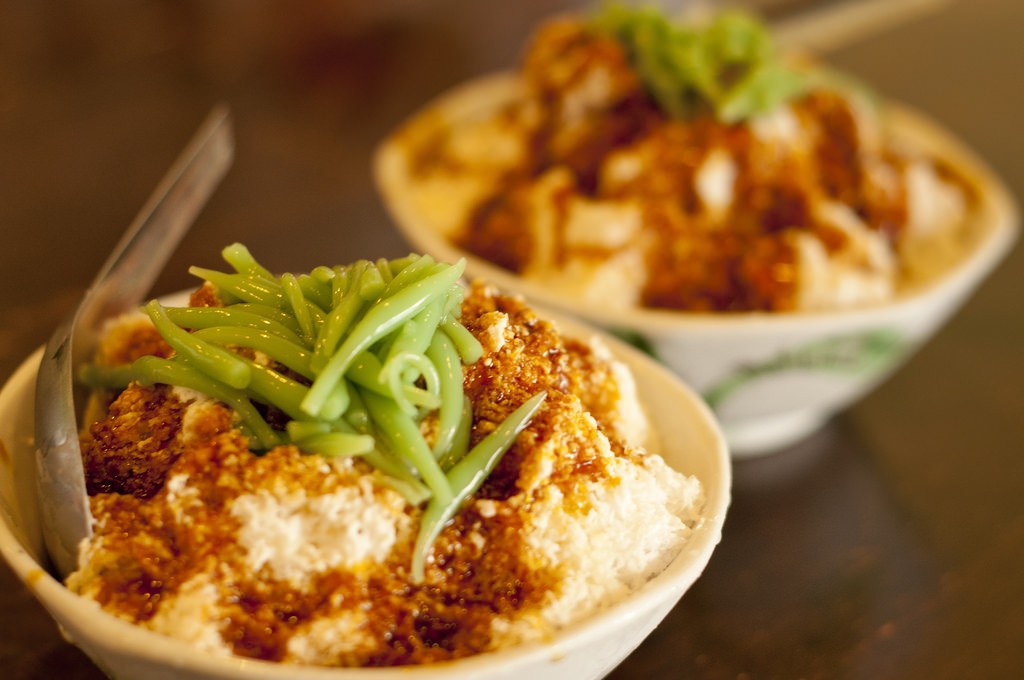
x=738 y=258
x=131 y=450
x=156 y=534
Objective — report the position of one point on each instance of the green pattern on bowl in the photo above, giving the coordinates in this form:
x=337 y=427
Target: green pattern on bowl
x=857 y=355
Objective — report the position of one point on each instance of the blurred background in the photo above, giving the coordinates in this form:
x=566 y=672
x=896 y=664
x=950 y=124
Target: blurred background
x=889 y=545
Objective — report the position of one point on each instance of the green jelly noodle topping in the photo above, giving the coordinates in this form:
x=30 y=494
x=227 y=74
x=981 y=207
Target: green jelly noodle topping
x=729 y=65
x=360 y=355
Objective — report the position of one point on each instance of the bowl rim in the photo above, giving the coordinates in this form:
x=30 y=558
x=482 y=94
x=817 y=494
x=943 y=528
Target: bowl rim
x=127 y=640
x=997 y=213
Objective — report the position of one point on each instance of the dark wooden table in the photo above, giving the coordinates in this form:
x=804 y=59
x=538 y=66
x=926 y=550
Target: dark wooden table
x=889 y=545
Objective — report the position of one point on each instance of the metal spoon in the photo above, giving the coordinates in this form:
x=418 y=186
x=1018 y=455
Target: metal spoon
x=124 y=279
x=835 y=25
x=818 y=26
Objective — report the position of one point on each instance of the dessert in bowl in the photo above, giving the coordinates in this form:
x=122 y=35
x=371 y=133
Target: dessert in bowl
x=299 y=538
x=776 y=234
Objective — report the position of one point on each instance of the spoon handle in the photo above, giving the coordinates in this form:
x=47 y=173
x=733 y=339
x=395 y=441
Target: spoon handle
x=839 y=23
x=120 y=285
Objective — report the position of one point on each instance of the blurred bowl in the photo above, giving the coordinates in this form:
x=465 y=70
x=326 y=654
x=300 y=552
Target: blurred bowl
x=772 y=378
x=691 y=443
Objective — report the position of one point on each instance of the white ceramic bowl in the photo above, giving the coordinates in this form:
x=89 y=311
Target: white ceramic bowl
x=772 y=378
x=590 y=649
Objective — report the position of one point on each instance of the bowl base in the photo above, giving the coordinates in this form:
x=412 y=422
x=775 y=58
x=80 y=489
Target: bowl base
x=761 y=436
